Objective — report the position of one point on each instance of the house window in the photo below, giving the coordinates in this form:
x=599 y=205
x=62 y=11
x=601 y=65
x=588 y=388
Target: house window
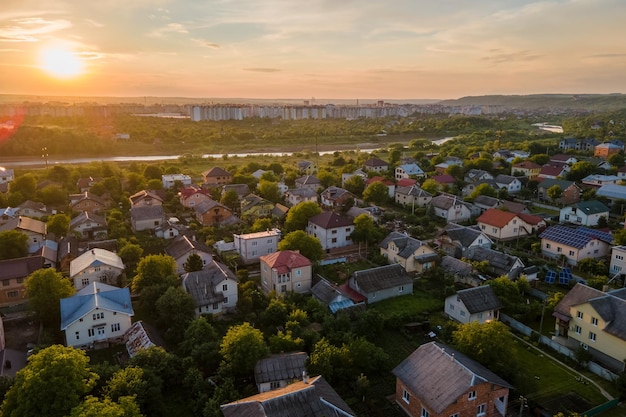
x=471 y=395
x=100 y=330
x=559 y=249
x=594 y=321
x=494 y=230
x=406 y=396
x=274 y=384
x=462 y=312
x=85 y=282
x=579 y=314
x=481 y=410
x=334 y=232
x=401 y=288
x=115 y=327
x=451 y=306
x=77 y=335
x=13 y=294
x=619 y=257
x=90 y=332
x=225 y=300
x=98 y=316
x=334 y=240
x=547 y=246
x=425 y=413
x=6 y=282
x=254 y=243
x=592 y=336
x=215 y=306
x=483 y=227
x=577 y=329
x=298 y=272
x=571 y=253
x=225 y=287
x=20 y=280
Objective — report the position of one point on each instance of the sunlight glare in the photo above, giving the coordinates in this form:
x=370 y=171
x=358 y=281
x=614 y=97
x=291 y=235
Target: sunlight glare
x=61 y=63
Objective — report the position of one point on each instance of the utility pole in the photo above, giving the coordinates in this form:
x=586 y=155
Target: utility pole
x=44 y=155
x=522 y=403
x=543 y=310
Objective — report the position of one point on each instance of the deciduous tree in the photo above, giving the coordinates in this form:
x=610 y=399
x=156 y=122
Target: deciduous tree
x=376 y=193
x=242 y=347
x=13 y=244
x=59 y=224
x=45 y=288
x=309 y=246
x=299 y=215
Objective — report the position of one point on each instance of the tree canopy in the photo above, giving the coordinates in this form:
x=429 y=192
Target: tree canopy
x=299 y=215
x=45 y=288
x=13 y=244
x=242 y=347
x=309 y=246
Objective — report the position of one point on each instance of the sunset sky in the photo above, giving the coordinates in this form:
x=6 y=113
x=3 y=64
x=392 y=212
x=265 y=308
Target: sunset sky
x=398 y=49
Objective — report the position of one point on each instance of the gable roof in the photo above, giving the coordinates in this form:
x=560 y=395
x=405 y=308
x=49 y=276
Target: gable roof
x=286 y=366
x=455 y=266
x=285 y=261
x=216 y=172
x=505 y=179
x=500 y=261
x=479 y=299
x=20 y=267
x=207 y=205
x=577 y=295
x=487 y=201
x=411 y=169
x=104 y=297
x=326 y=291
x=575 y=237
x=550 y=182
x=500 y=218
x=95 y=257
x=330 y=220
x=141 y=336
x=147 y=213
x=438 y=375
x=182 y=245
x=375 y=162
x=552 y=170
x=412 y=190
x=381 y=278
x=308 y=180
x=24 y=223
x=612 y=191
x=527 y=165
x=445 y=201
x=201 y=285
x=85 y=216
x=407 y=245
x=313 y=398
x=612 y=309
x=140 y=195
x=590 y=207
x=187 y=192
x=463 y=234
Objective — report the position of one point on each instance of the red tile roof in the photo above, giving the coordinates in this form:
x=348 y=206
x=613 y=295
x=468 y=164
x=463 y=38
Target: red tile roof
x=406 y=182
x=444 y=179
x=285 y=261
x=527 y=165
x=379 y=179
x=500 y=218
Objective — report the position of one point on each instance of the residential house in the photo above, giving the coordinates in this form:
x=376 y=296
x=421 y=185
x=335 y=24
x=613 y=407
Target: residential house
x=212 y=213
x=617 y=267
x=514 y=207
x=470 y=187
x=412 y=196
x=331 y=295
x=570 y=192
x=409 y=171
x=96 y=314
x=251 y=246
x=13 y=273
x=171 y=180
x=621 y=173
x=33 y=209
x=242 y=190
x=332 y=229
x=191 y=196
x=599 y=180
x=444 y=180
x=463 y=272
x=584 y=213
x=213 y=289
x=95 y=265
x=414 y=255
x=455 y=239
x=442 y=167
x=6 y=175
x=391 y=186
x=438 y=381
x=347 y=175
x=553 y=170
x=66 y=252
x=146 y=217
x=451 y=208
x=306 y=167
x=170 y=229
x=145 y=198
x=485 y=202
x=89 y=226
x=496 y=263
x=509 y=183
x=335 y=198
x=36 y=230
x=309 y=397
x=477 y=304
x=216 y=177
x=504 y=225
x=380 y=283
x=285 y=272
x=278 y=371
x=406 y=182
x=253 y=206
x=296 y=196
x=141 y=336
x=604 y=150
x=477 y=175
x=575 y=244
x=182 y=247
x=612 y=192
x=587 y=145
x=49 y=251
x=599 y=163
x=375 y=165
x=563 y=159
x=308 y=181
x=528 y=169
x=258 y=174
x=592 y=319
x=568 y=144
x=85 y=183
x=88 y=202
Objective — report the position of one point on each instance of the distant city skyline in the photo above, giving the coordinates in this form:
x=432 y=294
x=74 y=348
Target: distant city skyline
x=405 y=49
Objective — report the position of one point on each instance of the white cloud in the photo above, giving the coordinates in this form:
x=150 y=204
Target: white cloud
x=31 y=29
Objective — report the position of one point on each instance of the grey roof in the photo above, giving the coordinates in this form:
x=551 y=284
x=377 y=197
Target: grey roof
x=479 y=299
x=413 y=190
x=325 y=291
x=308 y=179
x=115 y=299
x=577 y=295
x=456 y=266
x=612 y=191
x=406 y=244
x=207 y=205
x=240 y=189
x=375 y=162
x=486 y=201
x=499 y=261
x=612 y=310
x=550 y=182
x=85 y=216
x=302 y=192
x=381 y=278
x=283 y=367
x=331 y=220
x=505 y=179
x=147 y=213
x=315 y=398
x=252 y=200
x=576 y=237
x=201 y=285
x=462 y=234
x=95 y=257
x=445 y=201
x=182 y=245
x=439 y=375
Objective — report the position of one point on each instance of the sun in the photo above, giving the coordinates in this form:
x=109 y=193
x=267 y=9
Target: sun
x=61 y=63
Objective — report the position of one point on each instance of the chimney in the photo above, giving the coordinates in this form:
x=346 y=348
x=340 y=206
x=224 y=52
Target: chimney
x=93 y=251
x=305 y=377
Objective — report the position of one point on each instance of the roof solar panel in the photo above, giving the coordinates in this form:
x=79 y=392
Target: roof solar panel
x=550 y=277
x=564 y=277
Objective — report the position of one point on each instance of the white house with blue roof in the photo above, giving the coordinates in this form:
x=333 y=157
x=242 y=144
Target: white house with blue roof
x=99 y=313
x=409 y=171
x=575 y=244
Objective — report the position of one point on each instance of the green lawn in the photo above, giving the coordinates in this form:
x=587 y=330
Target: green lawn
x=415 y=304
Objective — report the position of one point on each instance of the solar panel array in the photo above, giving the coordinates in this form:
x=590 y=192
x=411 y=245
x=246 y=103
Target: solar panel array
x=565 y=276
x=577 y=238
x=550 y=277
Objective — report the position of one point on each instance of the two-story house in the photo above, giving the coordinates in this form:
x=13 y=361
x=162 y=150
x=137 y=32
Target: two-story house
x=477 y=304
x=95 y=265
x=509 y=183
x=286 y=271
x=146 y=217
x=212 y=213
x=13 y=273
x=455 y=239
x=335 y=197
x=251 y=246
x=88 y=202
x=296 y=196
x=170 y=180
x=584 y=213
x=438 y=381
x=308 y=181
x=145 y=198
x=89 y=226
x=451 y=208
x=182 y=247
x=332 y=229
x=191 y=196
x=213 y=289
x=414 y=255
x=409 y=171
x=412 y=196
x=504 y=225
x=306 y=167
x=575 y=244
x=375 y=165
x=527 y=169
x=216 y=177
x=36 y=230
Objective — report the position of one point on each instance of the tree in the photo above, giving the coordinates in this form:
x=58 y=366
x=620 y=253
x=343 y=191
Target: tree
x=555 y=192
x=430 y=186
x=59 y=224
x=376 y=193
x=133 y=381
x=130 y=253
x=155 y=274
x=299 y=215
x=202 y=344
x=242 y=347
x=329 y=360
x=26 y=184
x=134 y=182
x=261 y=224
x=152 y=172
x=309 y=246
x=193 y=263
x=175 y=310
x=355 y=185
x=52 y=195
x=53 y=382
x=580 y=170
x=95 y=407
x=13 y=244
x=483 y=189
x=364 y=230
x=270 y=191
x=45 y=288
x=617 y=160
x=231 y=200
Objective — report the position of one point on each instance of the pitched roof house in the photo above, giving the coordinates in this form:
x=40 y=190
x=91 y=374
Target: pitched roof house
x=463 y=272
x=87 y=202
x=382 y=282
x=212 y=213
x=146 y=217
x=254 y=206
x=216 y=176
x=312 y=397
x=278 y=371
x=451 y=208
x=412 y=196
x=528 y=169
x=190 y=197
x=414 y=255
x=498 y=263
x=478 y=304
x=214 y=289
x=332 y=229
x=98 y=313
x=286 y=271
x=308 y=181
x=553 y=170
x=409 y=171
x=13 y=273
x=170 y=180
x=95 y=265
x=376 y=165
x=335 y=197
x=511 y=184
x=296 y=196
x=331 y=294
x=571 y=192
x=504 y=225
x=584 y=213
x=141 y=336
x=35 y=230
x=575 y=244
x=455 y=239
x=477 y=175
x=438 y=381
x=89 y=226
x=145 y=198
x=306 y=167
x=182 y=247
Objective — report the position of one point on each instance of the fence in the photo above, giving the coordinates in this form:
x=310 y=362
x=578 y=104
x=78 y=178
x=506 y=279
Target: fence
x=333 y=261
x=601 y=408
x=544 y=340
